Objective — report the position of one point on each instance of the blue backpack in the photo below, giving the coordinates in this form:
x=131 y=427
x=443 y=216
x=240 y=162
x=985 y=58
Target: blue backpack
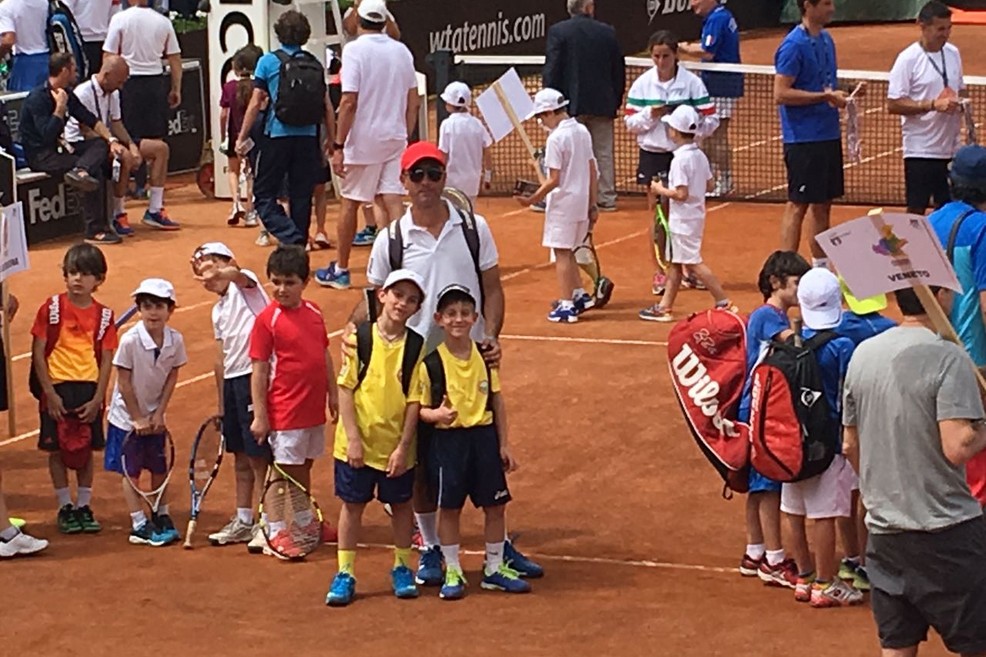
x=64 y=35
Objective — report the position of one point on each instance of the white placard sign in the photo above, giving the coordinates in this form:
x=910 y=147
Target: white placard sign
x=495 y=114
x=13 y=241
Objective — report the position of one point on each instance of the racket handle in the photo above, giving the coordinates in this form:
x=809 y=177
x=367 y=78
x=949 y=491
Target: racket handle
x=188 y=534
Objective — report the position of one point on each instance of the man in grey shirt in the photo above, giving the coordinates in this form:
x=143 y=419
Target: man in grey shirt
x=913 y=417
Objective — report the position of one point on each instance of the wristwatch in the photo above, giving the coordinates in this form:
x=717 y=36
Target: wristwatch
x=337 y=146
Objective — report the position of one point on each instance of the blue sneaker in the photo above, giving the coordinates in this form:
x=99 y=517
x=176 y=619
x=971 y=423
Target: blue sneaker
x=142 y=535
x=332 y=277
x=454 y=587
x=519 y=563
x=342 y=591
x=403 y=581
x=564 y=315
x=430 y=568
x=159 y=220
x=584 y=303
x=164 y=531
x=505 y=579
x=365 y=237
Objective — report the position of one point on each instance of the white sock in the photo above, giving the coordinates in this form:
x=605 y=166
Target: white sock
x=85 y=496
x=494 y=557
x=451 y=554
x=428 y=526
x=774 y=557
x=579 y=293
x=156 y=200
x=755 y=551
x=244 y=515
x=64 y=496
x=137 y=518
x=162 y=510
x=820 y=262
x=9 y=533
x=118 y=207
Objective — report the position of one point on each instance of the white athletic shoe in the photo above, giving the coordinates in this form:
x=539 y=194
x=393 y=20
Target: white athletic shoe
x=234 y=532
x=21 y=544
x=257 y=543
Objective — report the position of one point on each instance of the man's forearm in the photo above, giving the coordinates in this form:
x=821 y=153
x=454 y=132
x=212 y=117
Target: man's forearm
x=413 y=104
x=908 y=107
x=250 y=117
x=494 y=307
x=344 y=122
x=174 y=63
x=359 y=314
x=120 y=132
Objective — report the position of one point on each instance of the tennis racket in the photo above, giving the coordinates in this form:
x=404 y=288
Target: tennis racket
x=588 y=262
x=136 y=444
x=207 y=456
x=661 y=234
x=290 y=518
x=125 y=317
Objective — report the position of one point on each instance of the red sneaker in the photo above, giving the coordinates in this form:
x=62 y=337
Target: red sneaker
x=783 y=574
x=329 y=533
x=749 y=566
x=283 y=546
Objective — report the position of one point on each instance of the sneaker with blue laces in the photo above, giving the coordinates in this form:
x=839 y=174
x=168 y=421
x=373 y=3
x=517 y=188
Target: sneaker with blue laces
x=584 y=303
x=159 y=220
x=564 y=315
x=365 y=237
x=505 y=579
x=342 y=591
x=333 y=277
x=403 y=580
x=454 y=587
x=430 y=567
x=519 y=563
x=143 y=534
x=164 y=531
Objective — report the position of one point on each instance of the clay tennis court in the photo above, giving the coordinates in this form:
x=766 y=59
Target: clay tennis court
x=612 y=495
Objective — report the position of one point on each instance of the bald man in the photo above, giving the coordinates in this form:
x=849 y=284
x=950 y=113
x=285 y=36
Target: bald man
x=101 y=96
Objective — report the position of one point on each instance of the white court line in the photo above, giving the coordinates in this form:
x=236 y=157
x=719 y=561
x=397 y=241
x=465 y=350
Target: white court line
x=559 y=338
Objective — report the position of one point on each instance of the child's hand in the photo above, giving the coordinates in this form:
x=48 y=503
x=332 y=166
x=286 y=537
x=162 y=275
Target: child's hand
x=157 y=421
x=445 y=414
x=260 y=428
x=332 y=402
x=658 y=111
x=658 y=188
x=142 y=425
x=89 y=411
x=354 y=454
x=56 y=407
x=523 y=200
x=509 y=464
x=397 y=463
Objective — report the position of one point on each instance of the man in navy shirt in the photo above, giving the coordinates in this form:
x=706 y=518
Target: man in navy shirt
x=806 y=89
x=720 y=45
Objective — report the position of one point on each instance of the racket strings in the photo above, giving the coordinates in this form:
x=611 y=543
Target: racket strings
x=207 y=451
x=290 y=519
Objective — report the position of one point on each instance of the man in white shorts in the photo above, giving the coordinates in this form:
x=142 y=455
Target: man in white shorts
x=377 y=113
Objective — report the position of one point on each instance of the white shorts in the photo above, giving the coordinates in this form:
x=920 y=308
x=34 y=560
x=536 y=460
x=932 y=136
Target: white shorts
x=684 y=250
x=363 y=182
x=564 y=235
x=295 y=446
x=725 y=107
x=829 y=495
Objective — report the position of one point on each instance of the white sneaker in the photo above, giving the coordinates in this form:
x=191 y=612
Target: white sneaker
x=234 y=532
x=257 y=543
x=251 y=220
x=21 y=544
x=263 y=239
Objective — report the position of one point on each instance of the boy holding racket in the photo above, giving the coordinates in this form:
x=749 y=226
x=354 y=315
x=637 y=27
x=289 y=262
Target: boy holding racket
x=147 y=364
x=72 y=354
x=466 y=143
x=379 y=402
x=241 y=299
x=289 y=400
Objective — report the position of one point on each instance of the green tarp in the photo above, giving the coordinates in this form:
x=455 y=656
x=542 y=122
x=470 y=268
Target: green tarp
x=862 y=10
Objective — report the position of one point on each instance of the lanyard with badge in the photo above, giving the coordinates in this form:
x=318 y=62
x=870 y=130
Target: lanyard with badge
x=823 y=63
x=943 y=71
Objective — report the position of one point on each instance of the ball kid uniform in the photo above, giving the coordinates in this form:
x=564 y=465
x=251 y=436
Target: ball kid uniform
x=686 y=219
x=566 y=217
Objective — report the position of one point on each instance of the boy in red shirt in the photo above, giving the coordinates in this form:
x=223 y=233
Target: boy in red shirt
x=72 y=352
x=291 y=385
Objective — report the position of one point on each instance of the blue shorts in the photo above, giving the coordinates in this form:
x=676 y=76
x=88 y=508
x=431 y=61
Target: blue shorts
x=144 y=453
x=28 y=72
x=466 y=462
x=237 y=417
x=761 y=484
x=357 y=485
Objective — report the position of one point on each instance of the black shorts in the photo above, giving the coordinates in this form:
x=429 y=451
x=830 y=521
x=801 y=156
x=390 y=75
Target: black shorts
x=924 y=579
x=94 y=53
x=466 y=462
x=74 y=394
x=652 y=164
x=924 y=180
x=324 y=175
x=814 y=171
x=237 y=417
x=144 y=105
x=357 y=485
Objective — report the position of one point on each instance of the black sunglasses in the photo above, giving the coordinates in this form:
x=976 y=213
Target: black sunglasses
x=417 y=174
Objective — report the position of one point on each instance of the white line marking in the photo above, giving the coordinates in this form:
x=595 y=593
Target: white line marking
x=559 y=338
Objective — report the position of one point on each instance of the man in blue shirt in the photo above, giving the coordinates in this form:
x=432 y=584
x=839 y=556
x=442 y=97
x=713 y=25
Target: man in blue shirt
x=720 y=45
x=805 y=88
x=285 y=150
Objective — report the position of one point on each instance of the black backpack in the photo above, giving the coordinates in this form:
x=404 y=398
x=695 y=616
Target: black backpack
x=793 y=433
x=439 y=387
x=413 y=344
x=300 y=89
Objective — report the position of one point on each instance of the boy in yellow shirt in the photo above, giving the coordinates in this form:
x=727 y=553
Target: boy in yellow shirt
x=379 y=398
x=460 y=395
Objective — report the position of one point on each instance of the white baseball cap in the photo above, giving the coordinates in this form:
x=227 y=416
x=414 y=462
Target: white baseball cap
x=399 y=275
x=547 y=100
x=457 y=94
x=214 y=248
x=156 y=287
x=820 y=297
x=684 y=119
x=374 y=11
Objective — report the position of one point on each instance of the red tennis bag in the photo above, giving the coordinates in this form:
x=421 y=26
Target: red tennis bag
x=707 y=359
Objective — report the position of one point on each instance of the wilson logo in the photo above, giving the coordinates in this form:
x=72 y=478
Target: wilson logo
x=693 y=377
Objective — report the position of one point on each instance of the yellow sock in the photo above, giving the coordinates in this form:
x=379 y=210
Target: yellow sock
x=347 y=562
x=402 y=557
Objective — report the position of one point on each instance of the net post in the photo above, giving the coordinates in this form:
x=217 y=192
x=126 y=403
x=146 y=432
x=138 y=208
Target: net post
x=441 y=61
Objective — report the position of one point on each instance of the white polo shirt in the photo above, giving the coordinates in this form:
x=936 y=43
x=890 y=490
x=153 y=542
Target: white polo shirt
x=149 y=370
x=232 y=322
x=690 y=167
x=440 y=262
x=93 y=17
x=569 y=149
x=462 y=138
x=381 y=71
x=143 y=37
x=920 y=75
x=105 y=106
x=28 y=19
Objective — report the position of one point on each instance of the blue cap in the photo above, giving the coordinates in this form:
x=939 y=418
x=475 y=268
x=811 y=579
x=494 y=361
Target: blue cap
x=969 y=167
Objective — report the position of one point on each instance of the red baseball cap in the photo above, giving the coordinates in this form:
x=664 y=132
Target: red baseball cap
x=421 y=150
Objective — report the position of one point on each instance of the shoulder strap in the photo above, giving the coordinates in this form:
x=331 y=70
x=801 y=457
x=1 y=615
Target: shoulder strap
x=820 y=339
x=471 y=233
x=413 y=344
x=489 y=383
x=364 y=350
x=282 y=56
x=436 y=375
x=954 y=233
x=395 y=244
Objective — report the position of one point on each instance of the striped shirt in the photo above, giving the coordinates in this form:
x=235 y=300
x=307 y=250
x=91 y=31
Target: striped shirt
x=685 y=88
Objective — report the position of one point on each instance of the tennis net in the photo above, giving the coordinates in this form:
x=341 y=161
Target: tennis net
x=754 y=137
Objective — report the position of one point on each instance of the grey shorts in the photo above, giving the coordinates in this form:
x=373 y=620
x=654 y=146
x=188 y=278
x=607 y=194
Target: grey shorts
x=925 y=579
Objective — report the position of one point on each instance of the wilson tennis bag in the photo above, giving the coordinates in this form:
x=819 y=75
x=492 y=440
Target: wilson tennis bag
x=794 y=435
x=64 y=35
x=707 y=359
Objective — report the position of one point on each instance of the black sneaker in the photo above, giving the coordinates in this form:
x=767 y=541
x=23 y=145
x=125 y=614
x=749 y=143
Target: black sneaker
x=103 y=238
x=87 y=520
x=68 y=521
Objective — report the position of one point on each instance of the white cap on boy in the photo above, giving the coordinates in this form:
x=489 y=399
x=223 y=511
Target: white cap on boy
x=156 y=287
x=820 y=297
x=684 y=119
x=214 y=248
x=374 y=11
x=457 y=94
x=547 y=100
x=399 y=275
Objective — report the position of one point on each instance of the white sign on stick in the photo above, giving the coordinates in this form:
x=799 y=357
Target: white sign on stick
x=495 y=114
x=887 y=252
x=13 y=241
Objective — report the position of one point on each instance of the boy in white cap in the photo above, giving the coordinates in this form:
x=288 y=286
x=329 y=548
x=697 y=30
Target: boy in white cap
x=570 y=190
x=689 y=178
x=828 y=496
x=241 y=298
x=465 y=142
x=147 y=363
